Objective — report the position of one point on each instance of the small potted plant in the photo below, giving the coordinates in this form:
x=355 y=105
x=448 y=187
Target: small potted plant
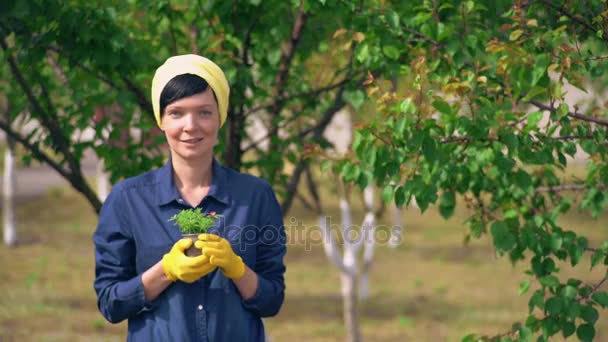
x=191 y=223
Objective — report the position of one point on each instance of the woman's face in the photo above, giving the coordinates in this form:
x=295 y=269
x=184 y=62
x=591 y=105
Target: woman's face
x=191 y=126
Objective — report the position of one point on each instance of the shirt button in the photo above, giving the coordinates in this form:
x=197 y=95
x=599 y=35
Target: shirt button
x=180 y=201
x=200 y=307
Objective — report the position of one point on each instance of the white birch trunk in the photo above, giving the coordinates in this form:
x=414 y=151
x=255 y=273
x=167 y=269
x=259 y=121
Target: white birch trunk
x=348 y=275
x=397 y=228
x=103 y=184
x=368 y=238
x=8 y=194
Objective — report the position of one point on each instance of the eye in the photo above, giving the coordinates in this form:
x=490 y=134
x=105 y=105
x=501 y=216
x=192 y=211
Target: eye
x=204 y=113
x=175 y=113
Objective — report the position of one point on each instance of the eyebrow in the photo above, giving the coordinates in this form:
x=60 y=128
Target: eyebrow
x=205 y=106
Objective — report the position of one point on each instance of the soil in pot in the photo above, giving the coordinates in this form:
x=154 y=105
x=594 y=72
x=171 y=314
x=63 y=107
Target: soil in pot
x=192 y=251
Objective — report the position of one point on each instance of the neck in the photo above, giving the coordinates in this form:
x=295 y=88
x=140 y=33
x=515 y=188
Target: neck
x=189 y=174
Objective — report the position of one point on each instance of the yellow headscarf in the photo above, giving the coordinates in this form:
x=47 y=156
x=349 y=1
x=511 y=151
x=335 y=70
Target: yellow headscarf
x=196 y=65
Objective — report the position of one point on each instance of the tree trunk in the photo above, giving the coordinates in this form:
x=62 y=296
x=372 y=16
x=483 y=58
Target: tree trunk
x=351 y=309
x=234 y=137
x=369 y=240
x=397 y=228
x=349 y=273
x=103 y=184
x=8 y=194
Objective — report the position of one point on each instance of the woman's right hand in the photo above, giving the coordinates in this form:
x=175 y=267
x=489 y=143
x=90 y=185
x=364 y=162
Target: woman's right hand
x=176 y=265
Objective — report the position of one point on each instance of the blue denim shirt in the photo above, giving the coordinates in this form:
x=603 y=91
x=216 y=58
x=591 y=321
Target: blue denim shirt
x=134 y=232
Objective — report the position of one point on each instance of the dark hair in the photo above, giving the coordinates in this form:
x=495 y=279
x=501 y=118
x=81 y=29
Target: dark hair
x=182 y=86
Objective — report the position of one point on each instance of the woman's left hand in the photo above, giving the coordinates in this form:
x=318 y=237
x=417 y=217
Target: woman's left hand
x=220 y=254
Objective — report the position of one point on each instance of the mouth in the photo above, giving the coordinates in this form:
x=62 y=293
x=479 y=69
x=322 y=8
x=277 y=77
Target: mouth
x=192 y=141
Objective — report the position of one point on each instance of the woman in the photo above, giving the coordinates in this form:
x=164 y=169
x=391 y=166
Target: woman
x=141 y=271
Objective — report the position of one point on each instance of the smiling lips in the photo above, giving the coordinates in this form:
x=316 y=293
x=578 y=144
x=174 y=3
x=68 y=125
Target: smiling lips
x=192 y=141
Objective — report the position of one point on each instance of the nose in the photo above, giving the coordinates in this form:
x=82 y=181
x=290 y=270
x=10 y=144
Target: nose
x=190 y=122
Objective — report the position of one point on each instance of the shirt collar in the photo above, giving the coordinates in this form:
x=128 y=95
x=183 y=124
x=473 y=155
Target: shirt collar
x=167 y=191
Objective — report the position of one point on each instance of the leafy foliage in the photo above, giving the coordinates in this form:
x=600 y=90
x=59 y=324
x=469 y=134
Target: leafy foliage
x=82 y=65
x=472 y=109
x=194 y=221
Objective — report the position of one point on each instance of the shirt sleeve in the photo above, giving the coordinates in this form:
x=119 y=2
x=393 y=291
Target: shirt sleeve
x=269 y=266
x=120 y=292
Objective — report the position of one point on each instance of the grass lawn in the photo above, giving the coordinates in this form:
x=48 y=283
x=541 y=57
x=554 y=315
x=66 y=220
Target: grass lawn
x=431 y=288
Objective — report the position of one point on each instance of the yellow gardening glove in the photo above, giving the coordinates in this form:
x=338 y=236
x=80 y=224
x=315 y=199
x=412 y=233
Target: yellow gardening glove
x=221 y=254
x=177 y=265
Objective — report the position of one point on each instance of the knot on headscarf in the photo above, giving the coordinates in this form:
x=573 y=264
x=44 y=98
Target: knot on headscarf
x=195 y=65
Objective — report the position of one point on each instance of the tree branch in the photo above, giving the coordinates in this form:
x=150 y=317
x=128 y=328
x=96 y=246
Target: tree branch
x=284 y=66
x=317 y=131
x=567 y=187
x=311 y=93
x=562 y=11
x=36 y=152
x=140 y=97
x=85 y=68
x=247 y=41
x=598 y=121
x=60 y=141
x=422 y=36
x=312 y=188
x=289 y=52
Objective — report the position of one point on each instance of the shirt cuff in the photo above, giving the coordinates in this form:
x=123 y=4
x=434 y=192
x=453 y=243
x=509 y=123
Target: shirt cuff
x=253 y=303
x=134 y=289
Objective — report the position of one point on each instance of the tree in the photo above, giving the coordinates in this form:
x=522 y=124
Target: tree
x=480 y=119
x=64 y=61
x=9 y=226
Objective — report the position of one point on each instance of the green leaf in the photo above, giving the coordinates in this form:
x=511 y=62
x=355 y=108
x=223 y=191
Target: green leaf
x=470 y=338
x=391 y=51
x=534 y=92
x=504 y=164
x=355 y=98
x=533 y=120
x=392 y=18
x=569 y=292
x=511 y=214
x=589 y=146
x=442 y=107
x=447 y=203
x=549 y=281
x=399 y=129
x=510 y=140
x=601 y=298
x=598 y=256
x=503 y=238
x=537 y=300
x=429 y=149
x=524 y=285
x=568 y=328
x=407 y=106
x=562 y=110
x=525 y=334
x=387 y=193
x=574 y=310
x=585 y=332
x=554 y=305
x=400 y=196
x=589 y=314
x=550 y=326
x=556 y=242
